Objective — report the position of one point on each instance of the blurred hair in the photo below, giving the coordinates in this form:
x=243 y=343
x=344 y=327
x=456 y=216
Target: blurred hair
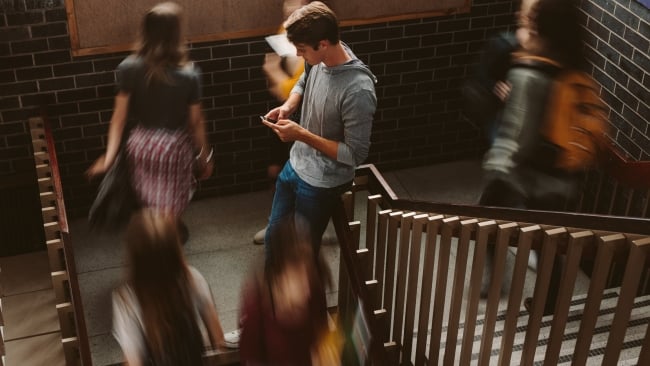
x=161 y=281
x=557 y=22
x=288 y=250
x=311 y=24
x=161 y=45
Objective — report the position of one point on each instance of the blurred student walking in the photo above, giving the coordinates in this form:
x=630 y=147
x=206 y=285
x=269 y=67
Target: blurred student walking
x=522 y=167
x=160 y=89
x=159 y=313
x=284 y=311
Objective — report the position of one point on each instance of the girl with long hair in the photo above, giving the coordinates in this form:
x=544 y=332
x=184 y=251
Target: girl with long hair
x=284 y=310
x=159 y=314
x=160 y=90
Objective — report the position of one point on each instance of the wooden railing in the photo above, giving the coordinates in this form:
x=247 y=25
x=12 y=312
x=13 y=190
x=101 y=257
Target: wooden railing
x=69 y=307
x=431 y=256
x=2 y=324
x=620 y=186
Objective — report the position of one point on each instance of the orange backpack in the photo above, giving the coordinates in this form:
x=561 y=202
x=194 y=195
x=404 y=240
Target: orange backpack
x=576 y=118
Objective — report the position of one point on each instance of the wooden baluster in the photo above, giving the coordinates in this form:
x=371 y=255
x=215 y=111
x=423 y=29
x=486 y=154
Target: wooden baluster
x=402 y=272
x=60 y=285
x=434 y=224
x=380 y=256
x=608 y=245
x=505 y=233
x=633 y=271
x=71 y=351
x=467 y=227
x=484 y=231
x=526 y=237
x=449 y=226
x=418 y=227
x=394 y=219
x=66 y=319
x=551 y=240
x=577 y=241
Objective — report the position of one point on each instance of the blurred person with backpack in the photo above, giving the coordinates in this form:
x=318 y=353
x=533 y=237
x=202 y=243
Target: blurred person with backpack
x=484 y=92
x=161 y=313
x=549 y=129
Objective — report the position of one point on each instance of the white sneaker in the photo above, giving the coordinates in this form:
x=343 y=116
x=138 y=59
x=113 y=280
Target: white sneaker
x=532 y=260
x=232 y=339
x=259 y=236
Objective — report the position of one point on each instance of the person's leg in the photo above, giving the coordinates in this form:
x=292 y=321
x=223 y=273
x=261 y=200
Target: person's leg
x=502 y=194
x=551 y=203
x=284 y=201
x=314 y=208
x=273 y=171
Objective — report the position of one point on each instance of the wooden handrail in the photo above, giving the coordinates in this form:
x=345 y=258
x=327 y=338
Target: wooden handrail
x=56 y=176
x=556 y=218
x=80 y=320
x=632 y=173
x=340 y=219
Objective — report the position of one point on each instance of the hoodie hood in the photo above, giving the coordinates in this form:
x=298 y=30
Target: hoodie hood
x=353 y=64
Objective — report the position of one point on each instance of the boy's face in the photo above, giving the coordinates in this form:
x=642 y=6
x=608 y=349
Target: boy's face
x=309 y=54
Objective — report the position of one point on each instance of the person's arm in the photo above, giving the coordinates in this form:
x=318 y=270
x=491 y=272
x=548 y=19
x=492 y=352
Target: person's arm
x=213 y=325
x=197 y=130
x=115 y=131
x=126 y=328
x=288 y=130
x=357 y=113
x=207 y=309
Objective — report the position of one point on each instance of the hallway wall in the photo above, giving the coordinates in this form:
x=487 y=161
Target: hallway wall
x=420 y=64
x=618 y=47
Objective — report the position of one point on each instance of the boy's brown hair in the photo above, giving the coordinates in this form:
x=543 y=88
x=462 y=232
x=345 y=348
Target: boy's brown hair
x=311 y=24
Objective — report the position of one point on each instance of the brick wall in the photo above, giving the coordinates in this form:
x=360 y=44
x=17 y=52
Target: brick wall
x=420 y=63
x=618 y=45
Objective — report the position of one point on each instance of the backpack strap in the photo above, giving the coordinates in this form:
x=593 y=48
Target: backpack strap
x=544 y=64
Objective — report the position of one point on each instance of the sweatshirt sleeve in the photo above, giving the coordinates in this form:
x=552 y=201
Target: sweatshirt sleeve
x=357 y=112
x=518 y=127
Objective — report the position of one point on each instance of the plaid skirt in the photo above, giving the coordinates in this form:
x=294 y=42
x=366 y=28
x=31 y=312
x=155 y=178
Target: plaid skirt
x=160 y=162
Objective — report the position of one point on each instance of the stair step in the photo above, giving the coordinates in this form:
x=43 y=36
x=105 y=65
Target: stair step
x=29 y=314
x=40 y=350
x=25 y=273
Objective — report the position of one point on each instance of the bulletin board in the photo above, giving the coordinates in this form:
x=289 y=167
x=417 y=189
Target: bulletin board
x=105 y=26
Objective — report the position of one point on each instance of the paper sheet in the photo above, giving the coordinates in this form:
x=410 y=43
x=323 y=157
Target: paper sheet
x=281 y=45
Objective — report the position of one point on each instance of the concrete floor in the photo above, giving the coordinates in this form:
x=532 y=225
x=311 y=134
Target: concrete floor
x=221 y=248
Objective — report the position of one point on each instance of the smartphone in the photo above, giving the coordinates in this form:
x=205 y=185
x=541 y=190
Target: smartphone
x=268 y=119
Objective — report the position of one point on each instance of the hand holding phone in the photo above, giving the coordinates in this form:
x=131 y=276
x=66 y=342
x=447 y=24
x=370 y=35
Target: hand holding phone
x=268 y=119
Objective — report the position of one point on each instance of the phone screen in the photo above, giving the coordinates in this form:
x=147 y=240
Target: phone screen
x=268 y=119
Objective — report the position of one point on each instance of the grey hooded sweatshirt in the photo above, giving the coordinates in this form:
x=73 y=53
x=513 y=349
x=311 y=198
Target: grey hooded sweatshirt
x=338 y=103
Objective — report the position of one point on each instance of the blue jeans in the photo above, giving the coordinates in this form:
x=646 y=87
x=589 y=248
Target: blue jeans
x=311 y=208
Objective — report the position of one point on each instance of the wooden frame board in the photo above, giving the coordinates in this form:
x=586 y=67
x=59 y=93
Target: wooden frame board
x=106 y=26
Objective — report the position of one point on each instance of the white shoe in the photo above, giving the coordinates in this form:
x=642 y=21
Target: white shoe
x=232 y=339
x=532 y=260
x=259 y=236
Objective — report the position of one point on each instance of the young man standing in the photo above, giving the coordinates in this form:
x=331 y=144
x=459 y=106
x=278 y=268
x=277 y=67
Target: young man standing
x=338 y=100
